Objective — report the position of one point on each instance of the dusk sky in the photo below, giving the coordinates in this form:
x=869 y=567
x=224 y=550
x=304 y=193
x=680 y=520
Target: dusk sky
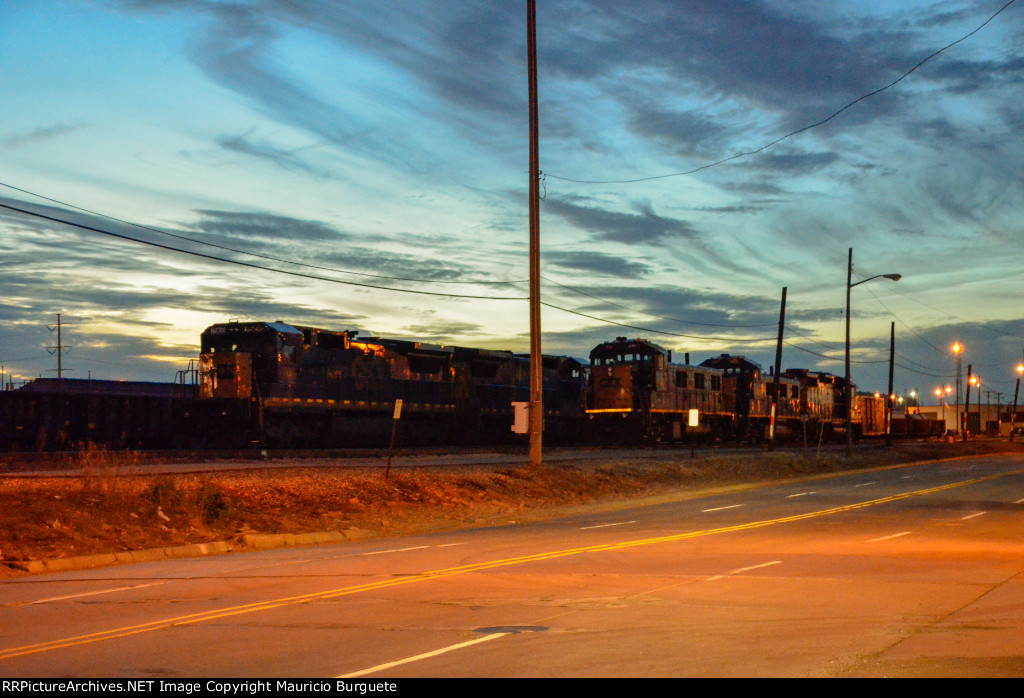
x=376 y=148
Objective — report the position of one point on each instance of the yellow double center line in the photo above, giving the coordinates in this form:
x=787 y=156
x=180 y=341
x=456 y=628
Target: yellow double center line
x=206 y=616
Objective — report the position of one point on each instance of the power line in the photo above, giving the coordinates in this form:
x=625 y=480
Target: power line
x=831 y=358
x=916 y=363
x=925 y=373
x=731 y=340
x=791 y=133
x=252 y=254
x=254 y=266
x=909 y=329
x=728 y=340
x=946 y=313
x=353 y=283
x=938 y=350
x=811 y=339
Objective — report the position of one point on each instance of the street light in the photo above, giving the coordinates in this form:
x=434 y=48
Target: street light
x=848 y=390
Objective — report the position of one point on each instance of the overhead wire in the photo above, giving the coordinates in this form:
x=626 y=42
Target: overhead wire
x=916 y=363
x=916 y=334
x=905 y=325
x=179 y=250
x=82 y=226
x=790 y=329
x=957 y=317
x=778 y=140
x=832 y=358
x=251 y=265
x=270 y=258
x=725 y=339
x=924 y=373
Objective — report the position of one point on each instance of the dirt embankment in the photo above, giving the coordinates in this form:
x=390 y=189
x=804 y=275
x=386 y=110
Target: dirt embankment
x=106 y=511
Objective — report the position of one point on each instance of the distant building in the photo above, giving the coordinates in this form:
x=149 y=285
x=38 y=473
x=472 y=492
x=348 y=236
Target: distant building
x=981 y=419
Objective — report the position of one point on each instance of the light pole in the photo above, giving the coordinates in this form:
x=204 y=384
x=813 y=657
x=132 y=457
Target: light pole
x=975 y=382
x=942 y=399
x=956 y=350
x=1016 y=392
x=847 y=388
x=945 y=398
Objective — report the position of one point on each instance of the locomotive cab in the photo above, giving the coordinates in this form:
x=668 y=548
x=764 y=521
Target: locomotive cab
x=621 y=372
x=638 y=394
x=239 y=359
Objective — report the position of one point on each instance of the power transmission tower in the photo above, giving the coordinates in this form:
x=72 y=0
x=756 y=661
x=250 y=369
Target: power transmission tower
x=58 y=350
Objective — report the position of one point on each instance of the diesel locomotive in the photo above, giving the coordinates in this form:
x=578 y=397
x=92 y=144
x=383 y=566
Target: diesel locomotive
x=279 y=385
x=638 y=394
x=314 y=387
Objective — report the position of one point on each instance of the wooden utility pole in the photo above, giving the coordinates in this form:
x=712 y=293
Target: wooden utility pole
x=846 y=390
x=778 y=369
x=967 y=402
x=1016 y=393
x=888 y=395
x=536 y=358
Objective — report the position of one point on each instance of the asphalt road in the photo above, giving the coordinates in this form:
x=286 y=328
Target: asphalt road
x=912 y=571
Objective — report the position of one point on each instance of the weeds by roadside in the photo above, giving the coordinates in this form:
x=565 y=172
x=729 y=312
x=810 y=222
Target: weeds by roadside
x=116 y=505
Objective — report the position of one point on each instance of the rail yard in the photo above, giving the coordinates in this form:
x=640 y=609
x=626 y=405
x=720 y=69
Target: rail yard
x=274 y=385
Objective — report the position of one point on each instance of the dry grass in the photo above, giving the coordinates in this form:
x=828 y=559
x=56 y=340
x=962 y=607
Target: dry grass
x=108 y=510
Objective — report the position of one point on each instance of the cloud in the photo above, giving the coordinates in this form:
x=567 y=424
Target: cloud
x=792 y=163
x=426 y=47
x=675 y=309
x=966 y=77
x=642 y=227
x=742 y=49
x=598 y=262
x=286 y=159
x=42 y=134
x=936 y=130
x=731 y=210
x=411 y=96
x=442 y=332
x=326 y=249
x=461 y=53
x=686 y=133
x=265 y=226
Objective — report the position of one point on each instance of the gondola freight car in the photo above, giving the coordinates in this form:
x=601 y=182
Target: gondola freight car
x=61 y=414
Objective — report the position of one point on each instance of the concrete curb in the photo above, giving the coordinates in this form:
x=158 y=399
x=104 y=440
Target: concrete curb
x=262 y=541
x=253 y=540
